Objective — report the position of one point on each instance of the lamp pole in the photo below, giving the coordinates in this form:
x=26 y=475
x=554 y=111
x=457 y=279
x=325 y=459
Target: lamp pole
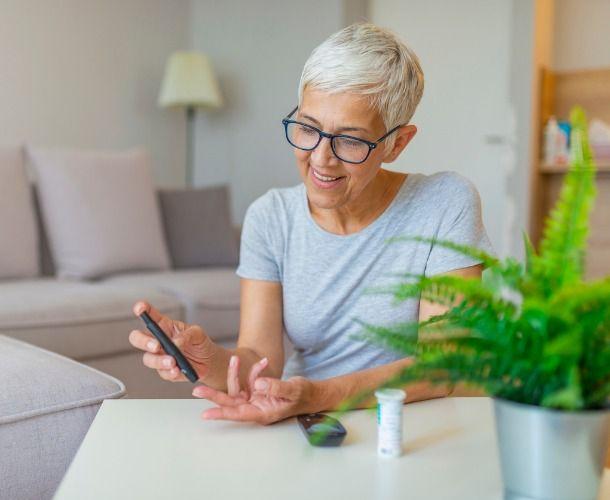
x=190 y=145
x=189 y=82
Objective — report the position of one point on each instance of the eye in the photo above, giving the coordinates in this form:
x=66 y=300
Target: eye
x=303 y=129
x=351 y=143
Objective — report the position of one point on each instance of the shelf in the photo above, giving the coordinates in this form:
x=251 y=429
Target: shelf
x=546 y=169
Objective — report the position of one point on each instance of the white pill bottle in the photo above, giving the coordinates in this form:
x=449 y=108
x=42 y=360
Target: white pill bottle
x=389 y=421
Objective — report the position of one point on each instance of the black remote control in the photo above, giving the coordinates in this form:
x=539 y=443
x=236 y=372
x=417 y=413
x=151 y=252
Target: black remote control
x=322 y=430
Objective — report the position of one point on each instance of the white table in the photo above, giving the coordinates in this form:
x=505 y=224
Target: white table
x=161 y=449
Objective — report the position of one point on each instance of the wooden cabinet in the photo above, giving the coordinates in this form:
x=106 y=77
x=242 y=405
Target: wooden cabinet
x=559 y=92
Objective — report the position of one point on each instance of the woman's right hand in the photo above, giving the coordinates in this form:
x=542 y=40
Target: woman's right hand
x=196 y=346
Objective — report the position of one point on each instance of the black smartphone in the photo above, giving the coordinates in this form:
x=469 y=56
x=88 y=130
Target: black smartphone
x=322 y=430
x=170 y=348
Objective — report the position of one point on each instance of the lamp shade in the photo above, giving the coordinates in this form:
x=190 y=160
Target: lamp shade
x=189 y=81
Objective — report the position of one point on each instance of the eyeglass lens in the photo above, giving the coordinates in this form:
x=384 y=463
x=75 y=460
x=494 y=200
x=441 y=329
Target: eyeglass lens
x=346 y=149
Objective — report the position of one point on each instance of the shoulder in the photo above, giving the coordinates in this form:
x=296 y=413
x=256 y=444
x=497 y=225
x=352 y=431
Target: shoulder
x=276 y=203
x=445 y=189
x=448 y=182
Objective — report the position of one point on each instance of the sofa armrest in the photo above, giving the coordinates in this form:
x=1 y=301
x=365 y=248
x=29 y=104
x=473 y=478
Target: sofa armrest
x=47 y=404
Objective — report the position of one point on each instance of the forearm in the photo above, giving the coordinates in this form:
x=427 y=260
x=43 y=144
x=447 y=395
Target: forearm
x=331 y=393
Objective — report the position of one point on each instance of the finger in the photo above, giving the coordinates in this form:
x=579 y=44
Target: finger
x=218 y=397
x=158 y=361
x=179 y=326
x=166 y=323
x=255 y=371
x=173 y=375
x=241 y=413
x=142 y=306
x=275 y=388
x=233 y=377
x=143 y=341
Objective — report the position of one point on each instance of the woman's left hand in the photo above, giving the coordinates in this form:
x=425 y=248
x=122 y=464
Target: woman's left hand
x=266 y=401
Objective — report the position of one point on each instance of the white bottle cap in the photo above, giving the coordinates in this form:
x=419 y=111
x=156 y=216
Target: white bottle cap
x=391 y=395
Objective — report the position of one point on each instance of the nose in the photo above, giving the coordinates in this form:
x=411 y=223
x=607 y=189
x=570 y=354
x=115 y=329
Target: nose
x=323 y=154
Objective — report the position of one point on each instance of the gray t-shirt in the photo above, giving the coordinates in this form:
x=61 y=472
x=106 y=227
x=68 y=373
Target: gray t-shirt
x=324 y=275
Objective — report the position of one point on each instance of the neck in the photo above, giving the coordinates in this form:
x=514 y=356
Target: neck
x=363 y=210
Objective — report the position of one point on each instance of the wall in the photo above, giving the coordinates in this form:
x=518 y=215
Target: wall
x=522 y=88
x=474 y=116
x=258 y=50
x=86 y=74
x=581 y=34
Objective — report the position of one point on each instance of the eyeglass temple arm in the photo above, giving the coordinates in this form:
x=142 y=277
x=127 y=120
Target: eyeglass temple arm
x=385 y=136
x=291 y=113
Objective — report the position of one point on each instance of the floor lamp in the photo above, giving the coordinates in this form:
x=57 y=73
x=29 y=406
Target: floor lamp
x=189 y=82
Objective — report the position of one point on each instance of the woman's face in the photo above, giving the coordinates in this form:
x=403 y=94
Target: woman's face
x=339 y=113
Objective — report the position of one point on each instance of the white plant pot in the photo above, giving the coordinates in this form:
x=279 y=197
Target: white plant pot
x=548 y=454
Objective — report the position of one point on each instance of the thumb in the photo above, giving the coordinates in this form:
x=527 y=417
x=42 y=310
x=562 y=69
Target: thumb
x=185 y=337
x=275 y=388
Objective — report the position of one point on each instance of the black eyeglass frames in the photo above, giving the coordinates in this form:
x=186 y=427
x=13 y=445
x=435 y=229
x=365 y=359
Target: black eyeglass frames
x=346 y=148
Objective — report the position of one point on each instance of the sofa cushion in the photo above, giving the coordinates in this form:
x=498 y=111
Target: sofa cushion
x=77 y=319
x=19 y=257
x=47 y=404
x=100 y=211
x=198 y=227
x=210 y=296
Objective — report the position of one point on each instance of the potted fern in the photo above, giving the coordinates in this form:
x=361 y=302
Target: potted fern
x=535 y=336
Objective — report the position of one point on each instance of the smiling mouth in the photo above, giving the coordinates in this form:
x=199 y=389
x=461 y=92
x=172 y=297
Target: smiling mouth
x=324 y=178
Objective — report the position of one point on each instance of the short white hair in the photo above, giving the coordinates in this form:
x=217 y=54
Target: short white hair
x=369 y=60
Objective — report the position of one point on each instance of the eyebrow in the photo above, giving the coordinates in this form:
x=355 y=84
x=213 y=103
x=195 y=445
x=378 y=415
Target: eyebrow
x=340 y=129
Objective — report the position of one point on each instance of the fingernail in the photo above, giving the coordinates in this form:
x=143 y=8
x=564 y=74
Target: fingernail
x=167 y=362
x=261 y=385
x=232 y=361
x=152 y=345
x=263 y=361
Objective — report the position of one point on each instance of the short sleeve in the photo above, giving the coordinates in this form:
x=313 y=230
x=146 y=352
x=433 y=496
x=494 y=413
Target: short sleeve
x=462 y=223
x=257 y=250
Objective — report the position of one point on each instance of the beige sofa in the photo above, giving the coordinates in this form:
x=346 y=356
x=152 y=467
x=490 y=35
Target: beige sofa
x=90 y=321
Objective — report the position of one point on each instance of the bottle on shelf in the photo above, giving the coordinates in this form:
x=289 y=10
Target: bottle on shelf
x=555 y=144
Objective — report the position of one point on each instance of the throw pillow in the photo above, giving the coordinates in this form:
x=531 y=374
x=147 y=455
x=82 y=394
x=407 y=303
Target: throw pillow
x=198 y=227
x=100 y=212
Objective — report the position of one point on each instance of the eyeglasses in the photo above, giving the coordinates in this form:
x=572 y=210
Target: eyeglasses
x=345 y=147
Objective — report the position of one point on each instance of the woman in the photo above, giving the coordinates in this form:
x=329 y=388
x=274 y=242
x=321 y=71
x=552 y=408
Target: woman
x=309 y=252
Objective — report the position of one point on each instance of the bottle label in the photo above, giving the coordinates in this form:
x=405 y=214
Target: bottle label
x=389 y=425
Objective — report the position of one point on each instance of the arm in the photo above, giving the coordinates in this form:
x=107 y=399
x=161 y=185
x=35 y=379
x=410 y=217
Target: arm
x=272 y=399
x=329 y=394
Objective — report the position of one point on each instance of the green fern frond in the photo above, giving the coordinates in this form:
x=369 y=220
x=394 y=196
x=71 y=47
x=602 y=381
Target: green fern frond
x=530 y=252
x=448 y=290
x=568 y=397
x=565 y=235
x=583 y=297
x=534 y=332
x=476 y=253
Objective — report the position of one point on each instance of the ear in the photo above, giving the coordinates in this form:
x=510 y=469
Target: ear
x=403 y=137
